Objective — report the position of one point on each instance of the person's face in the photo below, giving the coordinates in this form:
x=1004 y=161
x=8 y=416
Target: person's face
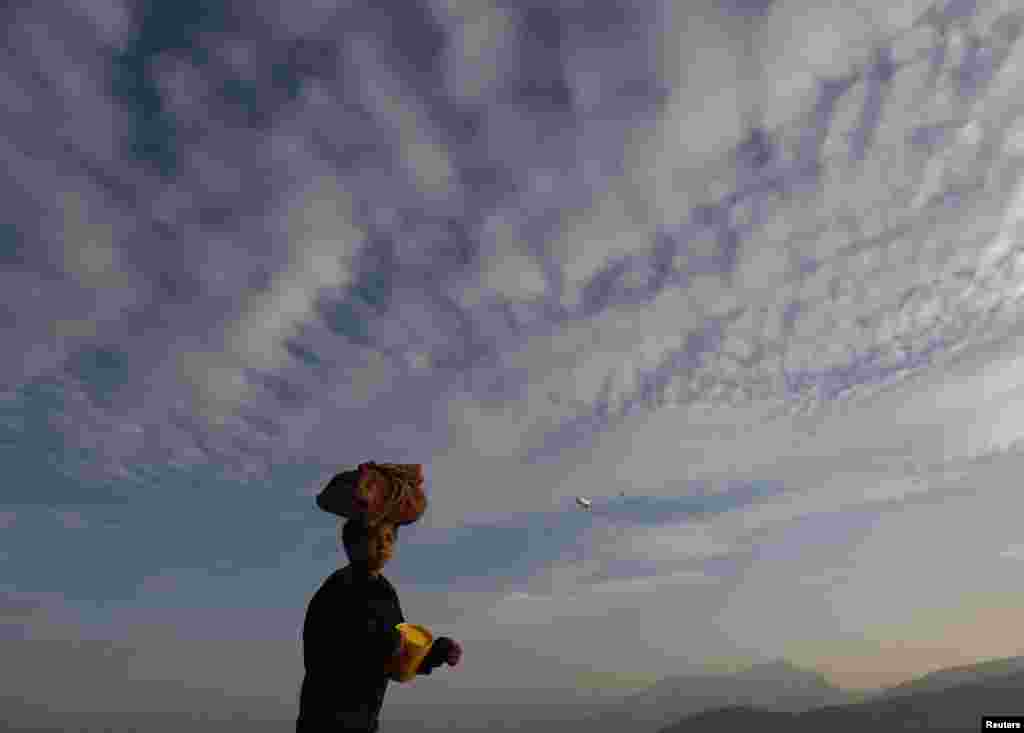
x=378 y=548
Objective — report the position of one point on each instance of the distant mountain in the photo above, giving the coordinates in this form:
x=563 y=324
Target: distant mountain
x=964 y=674
x=193 y=710
x=777 y=685
x=778 y=695
x=956 y=708
x=735 y=718
x=137 y=722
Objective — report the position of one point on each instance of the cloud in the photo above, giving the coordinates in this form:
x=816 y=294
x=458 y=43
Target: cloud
x=423 y=152
x=1013 y=552
x=325 y=222
x=71 y=520
x=660 y=251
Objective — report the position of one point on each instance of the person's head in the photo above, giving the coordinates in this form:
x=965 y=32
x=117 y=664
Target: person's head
x=369 y=548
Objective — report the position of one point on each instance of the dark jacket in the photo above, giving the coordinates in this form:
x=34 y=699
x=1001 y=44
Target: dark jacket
x=348 y=636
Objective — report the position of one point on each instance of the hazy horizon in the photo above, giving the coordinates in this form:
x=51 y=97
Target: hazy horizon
x=745 y=274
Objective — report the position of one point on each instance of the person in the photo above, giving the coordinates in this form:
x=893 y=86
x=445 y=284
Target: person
x=349 y=639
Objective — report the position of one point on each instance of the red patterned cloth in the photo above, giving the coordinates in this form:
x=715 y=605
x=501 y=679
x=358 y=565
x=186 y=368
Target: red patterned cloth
x=377 y=492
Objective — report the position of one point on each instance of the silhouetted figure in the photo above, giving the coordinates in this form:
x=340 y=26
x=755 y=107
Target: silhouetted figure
x=349 y=639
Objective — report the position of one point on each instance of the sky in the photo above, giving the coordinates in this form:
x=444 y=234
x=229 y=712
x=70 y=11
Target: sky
x=746 y=275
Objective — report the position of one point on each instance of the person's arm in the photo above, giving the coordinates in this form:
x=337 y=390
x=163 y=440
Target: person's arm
x=398 y=603
x=437 y=655
x=343 y=630
x=438 y=652
x=430 y=662
x=381 y=642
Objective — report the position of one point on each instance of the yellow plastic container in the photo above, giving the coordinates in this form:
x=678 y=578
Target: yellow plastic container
x=416 y=642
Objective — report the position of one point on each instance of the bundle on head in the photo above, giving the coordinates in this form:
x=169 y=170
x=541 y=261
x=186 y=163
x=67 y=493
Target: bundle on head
x=377 y=492
x=405 y=484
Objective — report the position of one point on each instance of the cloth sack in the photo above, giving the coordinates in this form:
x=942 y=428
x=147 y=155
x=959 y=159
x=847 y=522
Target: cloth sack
x=377 y=492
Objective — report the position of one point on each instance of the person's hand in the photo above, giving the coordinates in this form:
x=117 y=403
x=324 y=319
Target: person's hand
x=443 y=650
x=454 y=653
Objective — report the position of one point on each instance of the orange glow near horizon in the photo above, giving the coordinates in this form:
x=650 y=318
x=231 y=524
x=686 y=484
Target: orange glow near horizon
x=946 y=638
